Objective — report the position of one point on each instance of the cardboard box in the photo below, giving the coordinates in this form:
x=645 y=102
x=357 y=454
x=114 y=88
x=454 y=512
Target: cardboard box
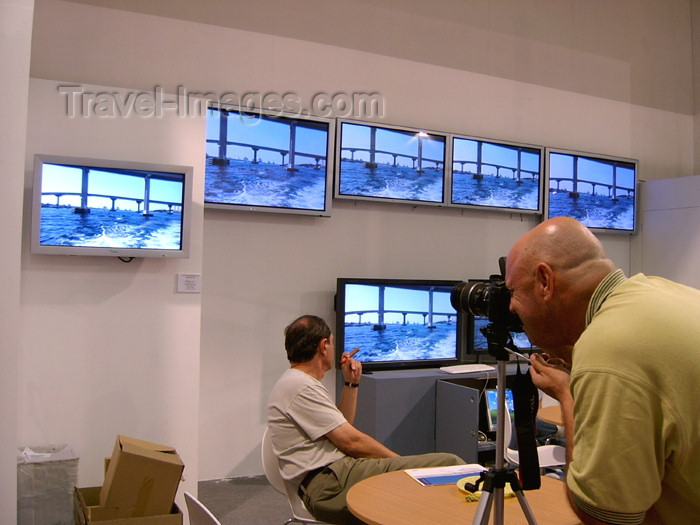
x=142 y=479
x=87 y=511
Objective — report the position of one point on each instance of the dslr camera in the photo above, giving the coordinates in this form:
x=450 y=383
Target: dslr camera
x=489 y=299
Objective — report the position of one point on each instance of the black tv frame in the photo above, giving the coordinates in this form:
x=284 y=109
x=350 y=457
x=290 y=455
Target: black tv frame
x=368 y=366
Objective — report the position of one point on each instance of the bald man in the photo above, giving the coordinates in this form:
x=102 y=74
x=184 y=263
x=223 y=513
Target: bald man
x=629 y=384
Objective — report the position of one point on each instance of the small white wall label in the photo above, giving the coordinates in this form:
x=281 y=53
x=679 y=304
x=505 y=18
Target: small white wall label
x=189 y=282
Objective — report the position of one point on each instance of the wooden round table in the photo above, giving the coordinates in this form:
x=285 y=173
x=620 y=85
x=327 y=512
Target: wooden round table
x=551 y=414
x=395 y=498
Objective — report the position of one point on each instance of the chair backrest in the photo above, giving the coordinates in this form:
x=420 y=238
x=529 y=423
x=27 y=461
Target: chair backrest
x=508 y=432
x=272 y=473
x=271 y=465
x=548 y=455
x=198 y=513
x=552 y=455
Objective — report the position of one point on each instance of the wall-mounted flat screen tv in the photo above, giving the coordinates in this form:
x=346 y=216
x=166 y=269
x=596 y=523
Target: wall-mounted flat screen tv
x=110 y=207
x=398 y=323
x=496 y=175
x=599 y=191
x=390 y=164
x=263 y=161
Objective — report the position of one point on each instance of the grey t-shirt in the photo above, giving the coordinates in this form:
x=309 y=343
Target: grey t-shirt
x=300 y=412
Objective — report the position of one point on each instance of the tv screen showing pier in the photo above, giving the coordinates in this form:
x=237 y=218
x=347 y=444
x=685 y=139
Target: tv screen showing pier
x=500 y=176
x=261 y=161
x=478 y=344
x=107 y=207
x=398 y=323
x=390 y=164
x=601 y=192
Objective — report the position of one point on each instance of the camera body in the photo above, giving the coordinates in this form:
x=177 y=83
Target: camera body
x=489 y=299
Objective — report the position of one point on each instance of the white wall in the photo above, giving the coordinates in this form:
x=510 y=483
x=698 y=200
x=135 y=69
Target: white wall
x=15 y=41
x=670 y=242
x=261 y=271
x=110 y=347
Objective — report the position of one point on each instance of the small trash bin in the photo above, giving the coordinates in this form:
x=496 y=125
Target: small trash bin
x=46 y=477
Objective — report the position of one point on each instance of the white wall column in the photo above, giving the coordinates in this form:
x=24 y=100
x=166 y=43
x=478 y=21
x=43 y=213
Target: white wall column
x=15 y=41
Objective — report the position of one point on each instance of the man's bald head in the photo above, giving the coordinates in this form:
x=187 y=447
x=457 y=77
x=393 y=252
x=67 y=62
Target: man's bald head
x=562 y=242
x=552 y=272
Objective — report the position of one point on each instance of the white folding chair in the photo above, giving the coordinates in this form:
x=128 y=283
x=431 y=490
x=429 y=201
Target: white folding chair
x=300 y=514
x=550 y=456
x=198 y=513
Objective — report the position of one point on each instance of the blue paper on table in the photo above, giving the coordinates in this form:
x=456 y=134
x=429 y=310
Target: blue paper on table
x=432 y=476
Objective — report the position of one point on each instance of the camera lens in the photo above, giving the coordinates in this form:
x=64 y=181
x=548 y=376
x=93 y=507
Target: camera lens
x=487 y=299
x=471 y=297
x=478 y=298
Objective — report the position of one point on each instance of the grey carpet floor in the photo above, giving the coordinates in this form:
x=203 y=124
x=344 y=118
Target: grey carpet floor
x=244 y=501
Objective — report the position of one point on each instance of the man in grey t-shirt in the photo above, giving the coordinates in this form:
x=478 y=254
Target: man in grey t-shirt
x=318 y=448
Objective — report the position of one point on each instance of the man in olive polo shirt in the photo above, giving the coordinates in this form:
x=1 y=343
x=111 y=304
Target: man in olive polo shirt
x=629 y=401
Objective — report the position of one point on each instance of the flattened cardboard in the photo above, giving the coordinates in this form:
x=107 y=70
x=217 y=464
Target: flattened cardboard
x=142 y=479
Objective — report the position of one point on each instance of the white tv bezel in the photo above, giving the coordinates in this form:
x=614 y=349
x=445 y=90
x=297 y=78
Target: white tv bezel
x=390 y=127
x=485 y=207
x=330 y=154
x=597 y=156
x=186 y=224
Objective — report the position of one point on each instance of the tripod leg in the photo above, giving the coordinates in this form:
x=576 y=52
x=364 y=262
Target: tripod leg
x=483 y=511
x=497 y=478
x=525 y=506
x=498 y=510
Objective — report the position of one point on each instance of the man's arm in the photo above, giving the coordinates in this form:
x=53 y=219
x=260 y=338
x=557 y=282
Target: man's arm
x=554 y=381
x=567 y=413
x=352 y=373
x=346 y=437
x=357 y=444
x=348 y=403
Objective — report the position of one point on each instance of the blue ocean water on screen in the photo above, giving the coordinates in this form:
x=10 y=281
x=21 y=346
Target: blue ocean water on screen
x=399 y=342
x=391 y=182
x=110 y=229
x=501 y=192
x=595 y=211
x=263 y=184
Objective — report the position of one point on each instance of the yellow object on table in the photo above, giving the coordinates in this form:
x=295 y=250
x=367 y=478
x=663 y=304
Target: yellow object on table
x=474 y=496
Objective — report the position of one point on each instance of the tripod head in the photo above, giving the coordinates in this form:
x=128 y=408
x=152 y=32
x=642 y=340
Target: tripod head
x=499 y=340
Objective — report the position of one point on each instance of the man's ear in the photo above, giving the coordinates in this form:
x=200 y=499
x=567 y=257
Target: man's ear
x=544 y=278
x=322 y=347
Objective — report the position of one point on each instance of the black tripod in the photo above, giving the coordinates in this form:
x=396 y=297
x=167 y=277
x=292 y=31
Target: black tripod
x=494 y=480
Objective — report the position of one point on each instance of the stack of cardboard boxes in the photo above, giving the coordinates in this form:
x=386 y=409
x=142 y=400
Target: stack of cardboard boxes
x=140 y=484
